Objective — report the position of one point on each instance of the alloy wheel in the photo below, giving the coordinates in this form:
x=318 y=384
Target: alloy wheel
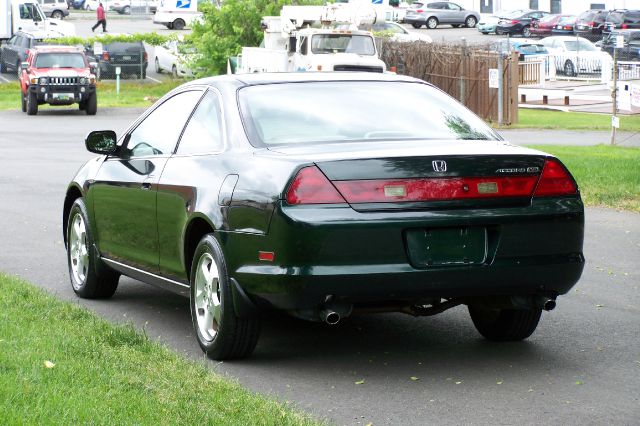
x=207 y=297
x=78 y=251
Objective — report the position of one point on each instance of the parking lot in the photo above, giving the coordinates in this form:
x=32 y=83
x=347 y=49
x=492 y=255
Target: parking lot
x=580 y=367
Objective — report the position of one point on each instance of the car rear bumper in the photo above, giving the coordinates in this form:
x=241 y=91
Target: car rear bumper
x=414 y=20
x=108 y=69
x=365 y=257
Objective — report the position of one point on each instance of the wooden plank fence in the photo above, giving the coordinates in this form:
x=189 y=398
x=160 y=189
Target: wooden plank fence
x=461 y=71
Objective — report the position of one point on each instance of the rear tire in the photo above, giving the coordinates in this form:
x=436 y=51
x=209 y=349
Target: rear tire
x=416 y=25
x=90 y=277
x=174 y=72
x=23 y=102
x=220 y=333
x=569 y=69
x=57 y=14
x=470 y=22
x=432 y=23
x=157 y=66
x=3 y=67
x=126 y=10
x=91 y=106
x=501 y=325
x=32 y=103
x=526 y=32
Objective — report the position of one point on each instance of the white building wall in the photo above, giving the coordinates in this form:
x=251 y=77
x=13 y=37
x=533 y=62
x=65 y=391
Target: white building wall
x=574 y=7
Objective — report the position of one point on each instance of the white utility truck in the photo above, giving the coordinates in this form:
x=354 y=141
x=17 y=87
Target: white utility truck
x=314 y=38
x=177 y=14
x=26 y=15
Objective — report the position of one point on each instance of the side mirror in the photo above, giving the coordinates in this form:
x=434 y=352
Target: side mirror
x=24 y=65
x=101 y=142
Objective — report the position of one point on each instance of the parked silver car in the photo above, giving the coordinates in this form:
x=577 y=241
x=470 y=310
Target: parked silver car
x=442 y=12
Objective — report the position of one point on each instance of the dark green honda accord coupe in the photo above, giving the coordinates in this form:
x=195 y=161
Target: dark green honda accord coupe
x=323 y=195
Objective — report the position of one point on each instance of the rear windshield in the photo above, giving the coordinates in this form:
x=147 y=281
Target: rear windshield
x=615 y=17
x=343 y=43
x=354 y=111
x=59 y=60
x=587 y=16
x=583 y=45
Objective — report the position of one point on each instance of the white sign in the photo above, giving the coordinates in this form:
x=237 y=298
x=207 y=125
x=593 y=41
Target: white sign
x=494 y=78
x=635 y=95
x=619 y=41
x=117 y=70
x=615 y=122
x=624 y=96
x=97 y=48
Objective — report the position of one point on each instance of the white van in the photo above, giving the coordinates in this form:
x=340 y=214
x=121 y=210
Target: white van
x=177 y=14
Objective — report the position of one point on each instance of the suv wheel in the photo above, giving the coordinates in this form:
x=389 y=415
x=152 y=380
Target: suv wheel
x=432 y=23
x=502 y=325
x=91 y=106
x=569 y=69
x=220 y=332
x=90 y=278
x=126 y=10
x=57 y=14
x=32 y=103
x=23 y=99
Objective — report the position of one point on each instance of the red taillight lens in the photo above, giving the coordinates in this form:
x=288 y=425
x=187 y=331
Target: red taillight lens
x=555 y=180
x=625 y=26
x=515 y=21
x=311 y=186
x=419 y=11
x=568 y=27
x=435 y=189
x=591 y=24
x=105 y=56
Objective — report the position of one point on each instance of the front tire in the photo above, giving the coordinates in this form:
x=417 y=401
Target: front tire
x=126 y=10
x=569 y=69
x=220 y=333
x=174 y=72
x=157 y=66
x=526 y=32
x=57 y=14
x=32 y=103
x=90 y=278
x=416 y=25
x=178 y=24
x=91 y=107
x=432 y=23
x=24 y=102
x=501 y=325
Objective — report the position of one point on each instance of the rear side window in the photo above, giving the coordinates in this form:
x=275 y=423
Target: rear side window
x=204 y=131
x=587 y=16
x=158 y=133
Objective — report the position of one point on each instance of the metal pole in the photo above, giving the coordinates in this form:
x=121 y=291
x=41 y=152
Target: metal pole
x=614 y=94
x=462 y=74
x=500 y=88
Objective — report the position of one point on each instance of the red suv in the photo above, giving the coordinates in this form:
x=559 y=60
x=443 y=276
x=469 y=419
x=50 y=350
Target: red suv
x=57 y=75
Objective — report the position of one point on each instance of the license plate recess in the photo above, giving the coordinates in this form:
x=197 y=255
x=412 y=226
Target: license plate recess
x=433 y=247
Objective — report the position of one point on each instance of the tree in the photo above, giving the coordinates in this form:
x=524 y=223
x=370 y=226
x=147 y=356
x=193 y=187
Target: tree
x=224 y=30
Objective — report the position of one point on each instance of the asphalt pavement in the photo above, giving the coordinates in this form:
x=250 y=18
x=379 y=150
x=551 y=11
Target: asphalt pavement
x=582 y=366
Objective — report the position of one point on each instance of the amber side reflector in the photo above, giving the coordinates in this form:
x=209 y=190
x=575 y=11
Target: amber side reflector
x=266 y=256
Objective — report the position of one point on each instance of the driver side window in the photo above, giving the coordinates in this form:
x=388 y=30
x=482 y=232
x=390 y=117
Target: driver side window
x=159 y=131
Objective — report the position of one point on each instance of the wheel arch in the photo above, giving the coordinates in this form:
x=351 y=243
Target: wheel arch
x=73 y=193
x=196 y=228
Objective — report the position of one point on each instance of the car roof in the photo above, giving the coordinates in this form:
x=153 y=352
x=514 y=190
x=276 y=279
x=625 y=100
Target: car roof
x=299 y=77
x=59 y=49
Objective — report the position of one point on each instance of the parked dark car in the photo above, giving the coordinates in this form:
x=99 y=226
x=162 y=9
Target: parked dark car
x=78 y=4
x=442 y=12
x=622 y=20
x=553 y=25
x=631 y=49
x=16 y=49
x=229 y=192
x=131 y=57
x=590 y=24
x=519 y=24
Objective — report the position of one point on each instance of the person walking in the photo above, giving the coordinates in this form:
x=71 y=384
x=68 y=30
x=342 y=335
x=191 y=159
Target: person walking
x=102 y=19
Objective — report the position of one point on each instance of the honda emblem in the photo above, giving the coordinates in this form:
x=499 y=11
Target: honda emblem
x=439 y=166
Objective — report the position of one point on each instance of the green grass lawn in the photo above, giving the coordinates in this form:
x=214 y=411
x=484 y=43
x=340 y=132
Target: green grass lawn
x=545 y=119
x=607 y=175
x=132 y=94
x=61 y=364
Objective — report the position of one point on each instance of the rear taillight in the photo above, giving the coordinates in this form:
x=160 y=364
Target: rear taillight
x=555 y=180
x=624 y=26
x=311 y=186
x=419 y=11
x=435 y=189
x=514 y=21
x=105 y=56
x=568 y=27
x=591 y=24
